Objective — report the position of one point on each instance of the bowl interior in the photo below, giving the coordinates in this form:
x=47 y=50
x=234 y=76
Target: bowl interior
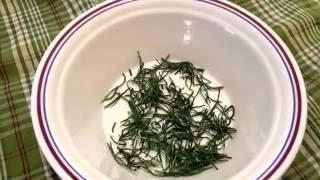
x=233 y=52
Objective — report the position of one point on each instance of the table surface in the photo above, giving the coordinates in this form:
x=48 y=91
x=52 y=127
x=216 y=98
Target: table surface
x=28 y=27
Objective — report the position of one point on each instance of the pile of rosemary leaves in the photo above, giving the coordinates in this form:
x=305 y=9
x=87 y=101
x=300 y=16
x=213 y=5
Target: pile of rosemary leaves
x=167 y=133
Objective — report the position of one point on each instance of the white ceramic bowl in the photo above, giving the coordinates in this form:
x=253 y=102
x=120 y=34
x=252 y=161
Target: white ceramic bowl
x=259 y=73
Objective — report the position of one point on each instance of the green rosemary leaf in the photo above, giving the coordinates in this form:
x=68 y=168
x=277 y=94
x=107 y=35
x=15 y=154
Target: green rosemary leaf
x=166 y=133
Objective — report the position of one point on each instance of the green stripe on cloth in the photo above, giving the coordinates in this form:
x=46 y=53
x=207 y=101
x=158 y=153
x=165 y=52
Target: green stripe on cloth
x=28 y=27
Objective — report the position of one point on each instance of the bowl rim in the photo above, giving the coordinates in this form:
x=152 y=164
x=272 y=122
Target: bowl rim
x=65 y=169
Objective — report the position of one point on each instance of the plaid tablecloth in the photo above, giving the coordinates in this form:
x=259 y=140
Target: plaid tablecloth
x=28 y=26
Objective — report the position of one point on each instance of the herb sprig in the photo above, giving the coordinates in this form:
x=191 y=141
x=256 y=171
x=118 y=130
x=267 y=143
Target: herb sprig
x=167 y=133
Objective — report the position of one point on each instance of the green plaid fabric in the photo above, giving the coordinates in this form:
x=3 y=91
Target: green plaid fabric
x=28 y=26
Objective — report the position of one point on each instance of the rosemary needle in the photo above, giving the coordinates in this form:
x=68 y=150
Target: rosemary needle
x=166 y=133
